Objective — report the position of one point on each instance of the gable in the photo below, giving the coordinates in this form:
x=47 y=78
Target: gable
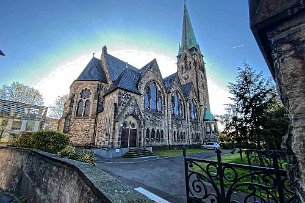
x=93 y=72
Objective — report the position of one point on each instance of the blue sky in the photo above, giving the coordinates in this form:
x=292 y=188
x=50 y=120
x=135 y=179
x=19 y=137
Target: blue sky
x=48 y=43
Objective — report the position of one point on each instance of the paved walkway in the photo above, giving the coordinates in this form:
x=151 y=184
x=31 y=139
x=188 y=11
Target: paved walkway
x=161 y=176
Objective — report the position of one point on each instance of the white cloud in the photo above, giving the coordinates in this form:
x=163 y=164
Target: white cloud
x=239 y=46
x=57 y=83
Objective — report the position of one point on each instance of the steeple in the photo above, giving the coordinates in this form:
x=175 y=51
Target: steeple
x=188 y=39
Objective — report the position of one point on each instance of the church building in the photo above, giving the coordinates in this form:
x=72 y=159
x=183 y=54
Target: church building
x=115 y=105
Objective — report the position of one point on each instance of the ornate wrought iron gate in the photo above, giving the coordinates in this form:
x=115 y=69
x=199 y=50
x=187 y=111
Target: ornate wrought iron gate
x=263 y=180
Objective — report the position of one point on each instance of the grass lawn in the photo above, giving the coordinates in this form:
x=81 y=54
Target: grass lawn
x=178 y=152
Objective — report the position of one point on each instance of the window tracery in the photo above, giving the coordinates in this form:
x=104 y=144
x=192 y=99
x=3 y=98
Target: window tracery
x=193 y=110
x=153 y=98
x=177 y=105
x=84 y=103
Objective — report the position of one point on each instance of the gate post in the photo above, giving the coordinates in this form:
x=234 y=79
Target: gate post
x=221 y=176
x=279 y=182
x=186 y=175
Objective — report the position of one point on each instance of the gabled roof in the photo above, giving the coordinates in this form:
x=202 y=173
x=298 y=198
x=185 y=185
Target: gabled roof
x=169 y=81
x=208 y=116
x=127 y=80
x=93 y=72
x=186 y=89
x=116 y=66
x=147 y=67
x=188 y=39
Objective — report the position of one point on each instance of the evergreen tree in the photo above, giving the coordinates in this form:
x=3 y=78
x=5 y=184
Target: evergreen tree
x=252 y=96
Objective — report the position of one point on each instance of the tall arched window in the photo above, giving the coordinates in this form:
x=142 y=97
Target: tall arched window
x=162 y=135
x=80 y=107
x=83 y=105
x=152 y=97
x=174 y=136
x=193 y=110
x=158 y=135
x=147 y=97
x=153 y=134
x=177 y=105
x=87 y=108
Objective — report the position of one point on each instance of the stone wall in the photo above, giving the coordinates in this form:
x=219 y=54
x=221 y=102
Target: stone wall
x=288 y=48
x=41 y=177
x=279 y=28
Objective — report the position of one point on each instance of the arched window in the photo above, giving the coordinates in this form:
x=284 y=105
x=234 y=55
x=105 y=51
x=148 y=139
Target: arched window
x=174 y=135
x=87 y=108
x=152 y=97
x=80 y=107
x=153 y=134
x=162 y=135
x=146 y=98
x=177 y=105
x=83 y=105
x=158 y=135
x=178 y=136
x=193 y=110
x=147 y=133
x=159 y=103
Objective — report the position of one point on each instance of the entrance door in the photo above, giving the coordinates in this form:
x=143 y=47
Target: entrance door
x=125 y=135
x=132 y=137
x=129 y=132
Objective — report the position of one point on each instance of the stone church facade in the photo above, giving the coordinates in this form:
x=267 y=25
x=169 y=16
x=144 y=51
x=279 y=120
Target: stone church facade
x=115 y=105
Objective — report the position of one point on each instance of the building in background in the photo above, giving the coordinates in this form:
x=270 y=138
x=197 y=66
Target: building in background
x=17 y=118
x=115 y=105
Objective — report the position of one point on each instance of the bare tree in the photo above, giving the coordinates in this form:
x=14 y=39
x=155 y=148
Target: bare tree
x=57 y=109
x=21 y=93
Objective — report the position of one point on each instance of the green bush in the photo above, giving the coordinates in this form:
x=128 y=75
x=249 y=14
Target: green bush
x=77 y=154
x=49 y=141
x=23 y=140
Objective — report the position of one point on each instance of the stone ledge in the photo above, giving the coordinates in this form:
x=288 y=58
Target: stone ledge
x=97 y=184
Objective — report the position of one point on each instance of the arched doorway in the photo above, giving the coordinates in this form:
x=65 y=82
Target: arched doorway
x=129 y=132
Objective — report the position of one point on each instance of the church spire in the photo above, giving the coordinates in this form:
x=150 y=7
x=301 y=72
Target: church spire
x=188 y=39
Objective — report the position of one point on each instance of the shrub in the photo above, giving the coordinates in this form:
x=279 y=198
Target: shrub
x=49 y=141
x=23 y=140
x=77 y=154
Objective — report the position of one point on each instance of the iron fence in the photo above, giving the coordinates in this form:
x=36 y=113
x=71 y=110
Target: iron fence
x=258 y=182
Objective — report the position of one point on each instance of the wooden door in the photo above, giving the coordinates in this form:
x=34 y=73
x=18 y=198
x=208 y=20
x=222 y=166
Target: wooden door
x=124 y=138
x=133 y=138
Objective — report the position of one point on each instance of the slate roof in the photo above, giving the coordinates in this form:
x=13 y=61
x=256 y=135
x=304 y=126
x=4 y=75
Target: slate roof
x=169 y=81
x=145 y=68
x=127 y=80
x=93 y=72
x=116 y=66
x=208 y=116
x=186 y=89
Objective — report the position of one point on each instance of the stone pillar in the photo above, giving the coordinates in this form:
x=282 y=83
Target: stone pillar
x=288 y=52
x=279 y=29
x=23 y=125
x=36 y=126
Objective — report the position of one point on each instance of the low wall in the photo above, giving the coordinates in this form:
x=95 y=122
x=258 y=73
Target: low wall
x=42 y=177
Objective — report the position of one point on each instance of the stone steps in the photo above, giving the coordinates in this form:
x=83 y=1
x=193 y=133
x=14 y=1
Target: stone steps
x=136 y=153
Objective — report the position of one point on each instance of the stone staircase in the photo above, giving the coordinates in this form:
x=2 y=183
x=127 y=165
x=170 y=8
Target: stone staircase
x=138 y=152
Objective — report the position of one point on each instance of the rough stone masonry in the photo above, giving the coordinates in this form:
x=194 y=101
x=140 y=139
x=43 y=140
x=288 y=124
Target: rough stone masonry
x=279 y=28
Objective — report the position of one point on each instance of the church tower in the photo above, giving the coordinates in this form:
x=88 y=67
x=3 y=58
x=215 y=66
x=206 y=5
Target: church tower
x=190 y=64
